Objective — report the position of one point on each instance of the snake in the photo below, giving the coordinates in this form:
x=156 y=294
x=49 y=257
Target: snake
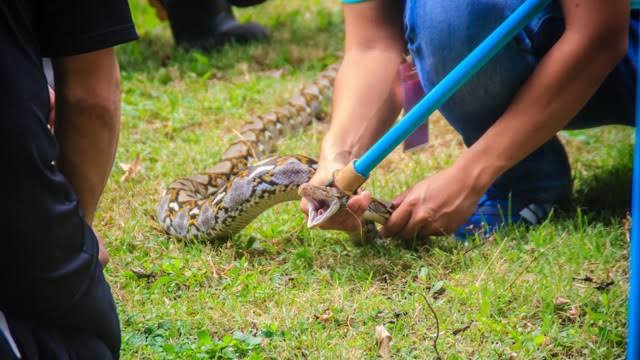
x=223 y=200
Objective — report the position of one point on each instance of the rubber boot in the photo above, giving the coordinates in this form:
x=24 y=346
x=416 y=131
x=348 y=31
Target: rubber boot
x=205 y=24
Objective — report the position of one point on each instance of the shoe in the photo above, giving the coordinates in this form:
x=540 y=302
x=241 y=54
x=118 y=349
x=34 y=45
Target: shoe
x=207 y=24
x=495 y=210
x=246 y=3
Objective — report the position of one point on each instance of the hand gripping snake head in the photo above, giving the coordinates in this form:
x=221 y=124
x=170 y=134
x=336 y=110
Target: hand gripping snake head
x=322 y=201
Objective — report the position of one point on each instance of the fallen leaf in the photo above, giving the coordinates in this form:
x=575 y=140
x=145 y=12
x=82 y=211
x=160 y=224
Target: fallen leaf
x=437 y=290
x=325 y=317
x=141 y=273
x=383 y=339
x=560 y=301
x=276 y=73
x=130 y=170
x=244 y=68
x=627 y=227
x=574 y=313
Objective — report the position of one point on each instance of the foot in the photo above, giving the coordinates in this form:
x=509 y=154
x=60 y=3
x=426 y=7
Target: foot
x=228 y=29
x=495 y=210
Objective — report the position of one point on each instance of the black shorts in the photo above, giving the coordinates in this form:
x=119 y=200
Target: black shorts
x=52 y=290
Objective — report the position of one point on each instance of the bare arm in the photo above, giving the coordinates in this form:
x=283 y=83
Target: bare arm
x=593 y=43
x=364 y=101
x=87 y=125
x=87 y=122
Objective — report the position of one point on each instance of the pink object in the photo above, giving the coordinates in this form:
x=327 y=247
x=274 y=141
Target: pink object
x=412 y=93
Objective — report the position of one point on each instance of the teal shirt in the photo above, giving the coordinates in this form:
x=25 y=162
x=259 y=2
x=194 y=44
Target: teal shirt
x=353 y=1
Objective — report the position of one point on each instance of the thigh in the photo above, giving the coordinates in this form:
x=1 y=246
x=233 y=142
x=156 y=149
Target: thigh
x=614 y=101
x=441 y=33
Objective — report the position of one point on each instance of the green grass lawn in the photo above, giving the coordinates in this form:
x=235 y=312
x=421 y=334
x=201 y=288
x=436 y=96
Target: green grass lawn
x=278 y=290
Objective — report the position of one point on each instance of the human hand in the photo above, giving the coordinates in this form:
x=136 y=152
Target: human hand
x=103 y=255
x=435 y=206
x=348 y=219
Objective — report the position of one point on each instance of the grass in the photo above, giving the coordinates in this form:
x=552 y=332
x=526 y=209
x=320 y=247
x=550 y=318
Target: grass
x=278 y=290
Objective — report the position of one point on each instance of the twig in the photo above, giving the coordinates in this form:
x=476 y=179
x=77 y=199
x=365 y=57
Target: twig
x=490 y=262
x=435 y=316
x=246 y=142
x=462 y=329
x=535 y=258
x=475 y=247
x=599 y=285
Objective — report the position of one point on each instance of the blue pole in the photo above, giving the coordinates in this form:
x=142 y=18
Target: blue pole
x=633 y=322
x=633 y=317
x=448 y=86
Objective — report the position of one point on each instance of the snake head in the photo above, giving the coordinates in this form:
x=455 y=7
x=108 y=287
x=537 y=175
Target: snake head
x=323 y=202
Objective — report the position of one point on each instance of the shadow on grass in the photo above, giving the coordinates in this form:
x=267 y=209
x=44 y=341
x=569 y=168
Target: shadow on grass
x=604 y=195
x=294 y=42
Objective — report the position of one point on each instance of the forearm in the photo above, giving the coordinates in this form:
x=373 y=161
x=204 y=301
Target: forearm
x=87 y=127
x=365 y=103
x=560 y=86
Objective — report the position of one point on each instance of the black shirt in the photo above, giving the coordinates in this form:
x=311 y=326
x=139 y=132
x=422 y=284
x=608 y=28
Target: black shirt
x=49 y=270
x=58 y=28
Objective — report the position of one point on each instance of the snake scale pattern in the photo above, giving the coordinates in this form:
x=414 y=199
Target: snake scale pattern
x=224 y=199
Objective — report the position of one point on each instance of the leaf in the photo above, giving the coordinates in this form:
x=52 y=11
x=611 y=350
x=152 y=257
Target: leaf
x=437 y=289
x=627 y=227
x=130 y=170
x=169 y=349
x=422 y=274
x=141 y=273
x=250 y=340
x=560 y=301
x=574 y=313
x=204 y=339
x=539 y=340
x=326 y=317
x=276 y=73
x=383 y=339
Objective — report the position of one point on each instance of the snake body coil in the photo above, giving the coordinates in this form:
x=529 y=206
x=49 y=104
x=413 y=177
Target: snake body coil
x=223 y=200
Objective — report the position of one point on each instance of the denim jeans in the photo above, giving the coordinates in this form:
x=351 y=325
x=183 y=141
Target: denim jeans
x=441 y=33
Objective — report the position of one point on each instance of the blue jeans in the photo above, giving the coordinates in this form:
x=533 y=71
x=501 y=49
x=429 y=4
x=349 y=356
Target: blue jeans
x=441 y=33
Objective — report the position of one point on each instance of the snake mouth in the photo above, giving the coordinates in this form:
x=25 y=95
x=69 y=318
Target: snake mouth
x=320 y=211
